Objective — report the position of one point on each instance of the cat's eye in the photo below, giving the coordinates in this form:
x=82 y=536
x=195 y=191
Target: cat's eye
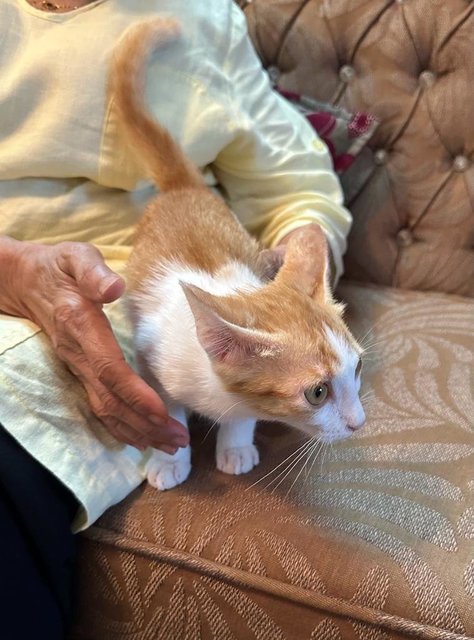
x=317 y=395
x=358 y=368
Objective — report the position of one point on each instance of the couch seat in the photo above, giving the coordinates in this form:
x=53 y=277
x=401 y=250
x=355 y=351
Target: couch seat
x=371 y=539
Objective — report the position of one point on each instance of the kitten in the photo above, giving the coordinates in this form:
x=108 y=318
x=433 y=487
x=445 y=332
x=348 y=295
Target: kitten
x=212 y=332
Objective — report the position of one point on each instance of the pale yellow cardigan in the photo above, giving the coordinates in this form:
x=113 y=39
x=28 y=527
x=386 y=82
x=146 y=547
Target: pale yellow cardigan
x=65 y=174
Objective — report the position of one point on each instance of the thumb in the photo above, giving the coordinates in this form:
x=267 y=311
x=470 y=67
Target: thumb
x=111 y=288
x=96 y=281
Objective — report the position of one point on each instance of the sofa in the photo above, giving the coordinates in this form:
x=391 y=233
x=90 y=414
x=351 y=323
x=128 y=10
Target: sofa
x=374 y=538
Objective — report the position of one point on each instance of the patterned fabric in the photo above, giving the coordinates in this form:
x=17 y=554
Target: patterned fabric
x=371 y=539
x=344 y=133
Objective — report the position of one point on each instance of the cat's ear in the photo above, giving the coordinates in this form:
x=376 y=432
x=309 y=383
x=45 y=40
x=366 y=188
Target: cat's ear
x=270 y=261
x=306 y=263
x=222 y=340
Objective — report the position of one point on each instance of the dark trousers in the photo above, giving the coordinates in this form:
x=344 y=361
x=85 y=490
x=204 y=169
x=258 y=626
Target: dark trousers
x=37 y=548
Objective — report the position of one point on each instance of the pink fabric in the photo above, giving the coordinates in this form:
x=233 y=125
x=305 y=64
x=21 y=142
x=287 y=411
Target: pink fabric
x=345 y=134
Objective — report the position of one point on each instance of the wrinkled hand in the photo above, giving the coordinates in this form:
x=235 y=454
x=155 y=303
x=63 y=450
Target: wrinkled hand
x=62 y=289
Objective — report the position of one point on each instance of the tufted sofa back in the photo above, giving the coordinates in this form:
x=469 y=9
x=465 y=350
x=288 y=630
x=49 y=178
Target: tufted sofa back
x=410 y=63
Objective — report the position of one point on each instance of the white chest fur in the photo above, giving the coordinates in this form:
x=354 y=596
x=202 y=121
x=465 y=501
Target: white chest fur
x=165 y=336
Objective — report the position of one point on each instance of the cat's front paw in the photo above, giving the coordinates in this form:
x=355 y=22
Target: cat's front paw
x=165 y=471
x=169 y=475
x=237 y=460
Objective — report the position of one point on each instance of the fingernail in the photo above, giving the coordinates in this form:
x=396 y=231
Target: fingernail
x=108 y=282
x=175 y=425
x=156 y=419
x=170 y=450
x=180 y=441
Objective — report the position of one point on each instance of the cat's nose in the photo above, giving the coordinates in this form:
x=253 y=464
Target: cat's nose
x=357 y=422
x=355 y=426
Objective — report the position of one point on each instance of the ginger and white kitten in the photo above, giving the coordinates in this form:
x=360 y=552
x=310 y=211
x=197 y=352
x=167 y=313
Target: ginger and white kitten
x=213 y=332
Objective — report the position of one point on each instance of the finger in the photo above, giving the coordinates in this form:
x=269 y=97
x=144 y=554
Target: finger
x=108 y=364
x=85 y=264
x=145 y=431
x=85 y=339
x=120 y=431
x=111 y=410
x=119 y=378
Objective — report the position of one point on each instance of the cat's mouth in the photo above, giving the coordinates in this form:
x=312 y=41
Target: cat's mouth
x=331 y=437
x=326 y=436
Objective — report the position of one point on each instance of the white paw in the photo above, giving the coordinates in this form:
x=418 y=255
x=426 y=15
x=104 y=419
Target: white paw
x=237 y=460
x=168 y=474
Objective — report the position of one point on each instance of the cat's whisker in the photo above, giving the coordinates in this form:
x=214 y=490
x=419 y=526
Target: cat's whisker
x=367 y=397
x=284 y=475
x=317 y=452
x=371 y=343
x=216 y=422
x=309 y=457
x=286 y=472
x=294 y=453
x=313 y=449
x=371 y=354
x=369 y=330
x=331 y=450
x=324 y=451
x=291 y=464
x=362 y=338
x=305 y=462
x=315 y=441
x=373 y=350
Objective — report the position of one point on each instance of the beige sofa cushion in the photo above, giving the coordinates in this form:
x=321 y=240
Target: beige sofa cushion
x=411 y=64
x=373 y=539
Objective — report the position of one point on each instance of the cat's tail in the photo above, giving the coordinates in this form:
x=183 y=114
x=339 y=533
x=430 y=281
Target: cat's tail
x=161 y=155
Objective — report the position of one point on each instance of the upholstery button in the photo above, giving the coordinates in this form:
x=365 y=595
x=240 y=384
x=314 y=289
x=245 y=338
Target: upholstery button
x=273 y=74
x=380 y=156
x=427 y=79
x=460 y=163
x=346 y=73
x=405 y=237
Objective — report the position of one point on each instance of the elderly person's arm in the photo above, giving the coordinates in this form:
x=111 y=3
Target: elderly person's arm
x=276 y=173
x=62 y=289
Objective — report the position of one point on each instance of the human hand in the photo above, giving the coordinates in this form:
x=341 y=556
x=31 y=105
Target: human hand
x=62 y=289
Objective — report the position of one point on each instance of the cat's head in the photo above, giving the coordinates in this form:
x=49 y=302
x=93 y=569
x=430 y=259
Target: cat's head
x=282 y=350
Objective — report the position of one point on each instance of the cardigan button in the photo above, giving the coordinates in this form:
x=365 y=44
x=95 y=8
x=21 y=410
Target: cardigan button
x=380 y=156
x=346 y=73
x=273 y=74
x=405 y=237
x=460 y=163
x=319 y=146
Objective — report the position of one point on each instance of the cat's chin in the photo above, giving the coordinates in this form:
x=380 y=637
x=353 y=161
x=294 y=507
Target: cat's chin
x=331 y=437
x=324 y=436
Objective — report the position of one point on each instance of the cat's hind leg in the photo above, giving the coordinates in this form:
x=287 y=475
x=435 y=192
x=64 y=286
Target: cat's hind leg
x=235 y=450
x=165 y=471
